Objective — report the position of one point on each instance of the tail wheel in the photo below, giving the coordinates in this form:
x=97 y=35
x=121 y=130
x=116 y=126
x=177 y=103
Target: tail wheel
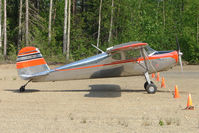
x=151 y=88
x=22 y=88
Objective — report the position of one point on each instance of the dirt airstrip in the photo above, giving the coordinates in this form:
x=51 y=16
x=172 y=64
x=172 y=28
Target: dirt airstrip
x=113 y=105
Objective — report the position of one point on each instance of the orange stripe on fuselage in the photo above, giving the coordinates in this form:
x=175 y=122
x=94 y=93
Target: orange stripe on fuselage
x=30 y=63
x=173 y=55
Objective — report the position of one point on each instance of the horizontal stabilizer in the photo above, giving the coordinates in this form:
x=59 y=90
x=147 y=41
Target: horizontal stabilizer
x=31 y=76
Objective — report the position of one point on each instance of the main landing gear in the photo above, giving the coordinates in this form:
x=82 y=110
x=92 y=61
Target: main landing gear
x=22 y=88
x=149 y=86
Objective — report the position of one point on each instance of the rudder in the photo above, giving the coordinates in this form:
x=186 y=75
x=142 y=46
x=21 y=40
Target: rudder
x=30 y=63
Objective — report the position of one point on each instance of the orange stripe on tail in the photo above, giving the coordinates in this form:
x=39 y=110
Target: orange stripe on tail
x=30 y=63
x=26 y=49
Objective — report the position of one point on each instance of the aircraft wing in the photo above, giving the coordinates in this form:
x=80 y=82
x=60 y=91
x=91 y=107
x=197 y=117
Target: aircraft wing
x=126 y=46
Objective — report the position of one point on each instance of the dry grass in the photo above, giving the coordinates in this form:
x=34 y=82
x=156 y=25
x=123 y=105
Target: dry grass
x=123 y=123
x=83 y=121
x=70 y=116
x=171 y=121
x=14 y=78
x=146 y=121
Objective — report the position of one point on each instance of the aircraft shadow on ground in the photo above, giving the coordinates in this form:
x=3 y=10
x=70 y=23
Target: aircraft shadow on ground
x=97 y=90
x=104 y=90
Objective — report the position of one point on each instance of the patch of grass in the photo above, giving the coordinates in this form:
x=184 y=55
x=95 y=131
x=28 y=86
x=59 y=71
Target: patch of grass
x=174 y=121
x=146 y=122
x=83 y=121
x=14 y=78
x=123 y=123
x=177 y=122
x=161 y=123
x=168 y=121
x=71 y=116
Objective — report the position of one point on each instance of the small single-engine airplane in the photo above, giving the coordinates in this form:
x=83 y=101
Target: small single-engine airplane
x=128 y=59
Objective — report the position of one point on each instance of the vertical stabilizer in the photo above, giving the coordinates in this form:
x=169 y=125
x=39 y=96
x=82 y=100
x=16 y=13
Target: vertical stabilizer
x=30 y=63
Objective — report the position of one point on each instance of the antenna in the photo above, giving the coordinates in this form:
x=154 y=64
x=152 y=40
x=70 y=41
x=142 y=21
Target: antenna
x=97 y=48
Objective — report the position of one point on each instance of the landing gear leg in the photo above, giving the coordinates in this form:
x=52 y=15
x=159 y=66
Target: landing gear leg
x=149 y=86
x=22 y=88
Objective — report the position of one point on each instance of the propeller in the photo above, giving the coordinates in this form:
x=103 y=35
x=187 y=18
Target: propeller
x=179 y=53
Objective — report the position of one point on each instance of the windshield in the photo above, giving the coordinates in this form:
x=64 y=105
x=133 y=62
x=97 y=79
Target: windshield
x=149 y=50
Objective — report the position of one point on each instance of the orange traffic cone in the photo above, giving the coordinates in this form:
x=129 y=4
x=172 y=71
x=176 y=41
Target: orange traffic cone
x=189 y=103
x=176 y=94
x=158 y=77
x=153 y=75
x=163 y=83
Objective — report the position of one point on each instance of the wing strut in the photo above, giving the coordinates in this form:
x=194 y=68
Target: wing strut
x=146 y=74
x=97 y=48
x=149 y=86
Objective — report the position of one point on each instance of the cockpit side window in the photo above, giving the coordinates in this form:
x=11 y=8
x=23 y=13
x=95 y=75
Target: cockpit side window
x=132 y=54
x=116 y=56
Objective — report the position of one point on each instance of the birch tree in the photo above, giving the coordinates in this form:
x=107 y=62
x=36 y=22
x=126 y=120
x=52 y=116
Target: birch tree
x=20 y=25
x=27 y=32
x=164 y=13
x=37 y=1
x=65 y=26
x=99 y=25
x=197 y=31
x=68 y=38
x=0 y=29
x=111 y=23
x=74 y=7
x=5 y=30
x=49 y=24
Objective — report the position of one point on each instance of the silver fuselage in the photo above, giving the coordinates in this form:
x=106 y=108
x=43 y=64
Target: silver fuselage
x=104 y=66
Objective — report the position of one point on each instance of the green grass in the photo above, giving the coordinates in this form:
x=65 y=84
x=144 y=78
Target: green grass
x=161 y=123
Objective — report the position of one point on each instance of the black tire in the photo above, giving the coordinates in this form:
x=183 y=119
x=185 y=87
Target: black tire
x=22 y=89
x=151 y=88
x=146 y=83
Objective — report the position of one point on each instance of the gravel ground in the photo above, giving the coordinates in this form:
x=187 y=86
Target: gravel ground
x=113 y=105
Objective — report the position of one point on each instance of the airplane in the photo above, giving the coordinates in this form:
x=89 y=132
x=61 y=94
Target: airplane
x=127 y=59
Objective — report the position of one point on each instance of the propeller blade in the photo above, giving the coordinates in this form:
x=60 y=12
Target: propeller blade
x=180 y=60
x=179 y=53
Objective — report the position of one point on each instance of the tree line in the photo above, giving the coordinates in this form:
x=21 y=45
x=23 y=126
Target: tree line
x=65 y=29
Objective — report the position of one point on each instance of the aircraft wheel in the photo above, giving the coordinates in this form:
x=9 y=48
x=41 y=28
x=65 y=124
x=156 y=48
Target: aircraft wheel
x=146 y=83
x=151 y=88
x=22 y=89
